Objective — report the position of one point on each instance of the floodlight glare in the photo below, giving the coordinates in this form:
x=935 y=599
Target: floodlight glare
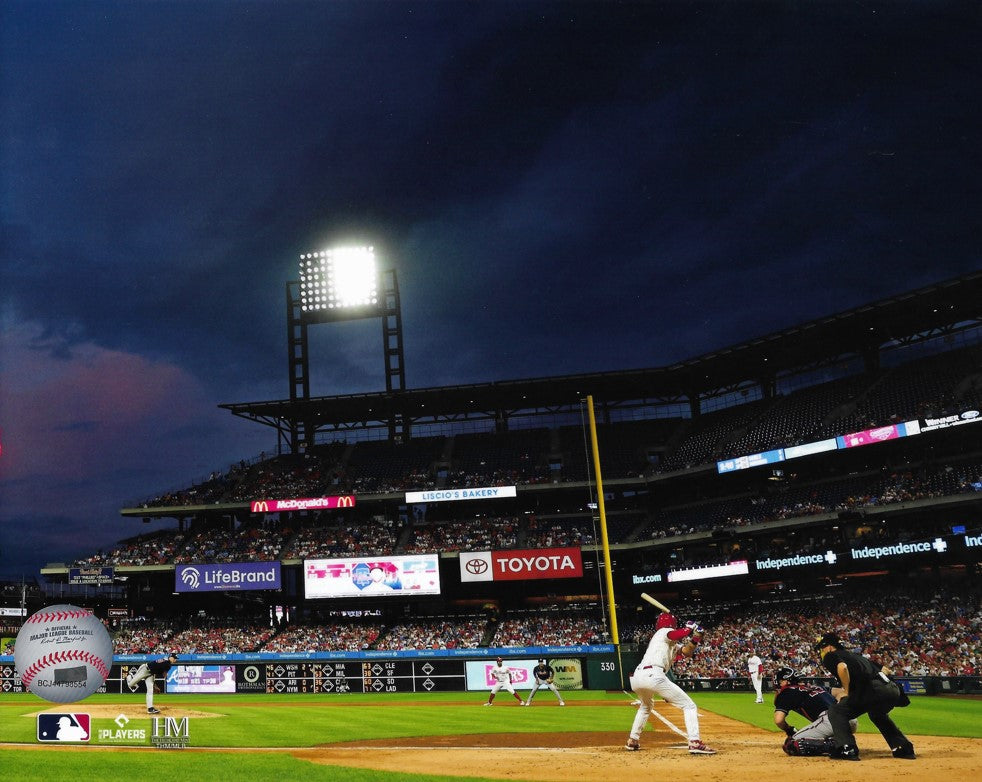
x=339 y=282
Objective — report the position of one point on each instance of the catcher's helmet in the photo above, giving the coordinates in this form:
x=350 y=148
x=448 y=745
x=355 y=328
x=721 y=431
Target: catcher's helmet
x=666 y=620
x=786 y=673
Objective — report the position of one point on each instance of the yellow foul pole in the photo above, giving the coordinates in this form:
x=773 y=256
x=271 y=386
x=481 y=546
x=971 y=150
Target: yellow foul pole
x=603 y=522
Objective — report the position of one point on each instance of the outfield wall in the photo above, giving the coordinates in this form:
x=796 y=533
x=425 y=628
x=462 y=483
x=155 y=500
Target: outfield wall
x=447 y=670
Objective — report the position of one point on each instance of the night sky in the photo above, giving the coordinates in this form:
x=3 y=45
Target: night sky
x=561 y=187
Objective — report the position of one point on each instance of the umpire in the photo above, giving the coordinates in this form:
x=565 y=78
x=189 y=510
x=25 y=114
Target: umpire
x=868 y=690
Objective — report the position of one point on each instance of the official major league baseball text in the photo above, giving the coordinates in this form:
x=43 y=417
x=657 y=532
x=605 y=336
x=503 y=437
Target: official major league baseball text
x=63 y=653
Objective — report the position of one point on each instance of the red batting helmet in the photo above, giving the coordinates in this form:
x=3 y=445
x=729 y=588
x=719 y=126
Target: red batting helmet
x=666 y=620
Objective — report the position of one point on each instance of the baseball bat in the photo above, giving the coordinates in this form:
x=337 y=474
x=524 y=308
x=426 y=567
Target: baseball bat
x=655 y=603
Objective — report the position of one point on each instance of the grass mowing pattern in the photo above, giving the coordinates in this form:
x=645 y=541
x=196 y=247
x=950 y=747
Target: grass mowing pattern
x=178 y=766
x=308 y=720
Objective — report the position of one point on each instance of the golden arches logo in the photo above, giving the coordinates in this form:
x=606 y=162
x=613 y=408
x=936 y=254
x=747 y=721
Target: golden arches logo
x=262 y=506
x=346 y=501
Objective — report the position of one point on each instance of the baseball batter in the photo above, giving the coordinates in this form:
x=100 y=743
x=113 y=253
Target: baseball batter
x=501 y=674
x=543 y=674
x=148 y=672
x=755 y=668
x=650 y=678
x=812 y=703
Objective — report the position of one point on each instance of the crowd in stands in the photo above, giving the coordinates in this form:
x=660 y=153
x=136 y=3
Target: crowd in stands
x=915 y=629
x=324 y=637
x=912 y=631
x=558 y=533
x=536 y=629
x=217 y=637
x=140 y=635
x=475 y=535
x=932 y=386
x=831 y=497
x=271 y=540
x=224 y=544
x=378 y=536
x=441 y=633
x=158 y=548
x=214 y=489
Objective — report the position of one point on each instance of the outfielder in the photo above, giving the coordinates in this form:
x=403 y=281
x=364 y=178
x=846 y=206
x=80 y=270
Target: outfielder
x=650 y=678
x=755 y=668
x=148 y=672
x=502 y=679
x=543 y=674
x=812 y=703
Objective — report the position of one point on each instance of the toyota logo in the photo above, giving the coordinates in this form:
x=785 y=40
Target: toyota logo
x=476 y=566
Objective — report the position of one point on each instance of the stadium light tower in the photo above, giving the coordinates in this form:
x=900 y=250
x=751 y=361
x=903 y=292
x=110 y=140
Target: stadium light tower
x=336 y=285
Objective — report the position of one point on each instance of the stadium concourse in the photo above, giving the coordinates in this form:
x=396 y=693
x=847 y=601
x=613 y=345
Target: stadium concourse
x=831 y=473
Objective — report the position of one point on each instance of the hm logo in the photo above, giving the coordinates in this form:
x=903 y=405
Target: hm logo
x=170 y=733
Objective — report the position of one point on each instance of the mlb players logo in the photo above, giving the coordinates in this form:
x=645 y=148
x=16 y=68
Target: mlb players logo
x=63 y=727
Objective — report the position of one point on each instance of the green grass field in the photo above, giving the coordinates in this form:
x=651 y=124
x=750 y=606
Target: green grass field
x=310 y=720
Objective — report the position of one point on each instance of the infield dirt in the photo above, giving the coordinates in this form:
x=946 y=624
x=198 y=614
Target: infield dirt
x=745 y=754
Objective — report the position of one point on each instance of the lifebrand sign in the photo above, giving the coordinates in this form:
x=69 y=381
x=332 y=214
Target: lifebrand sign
x=227 y=576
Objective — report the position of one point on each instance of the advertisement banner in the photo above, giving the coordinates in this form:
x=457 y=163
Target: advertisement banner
x=309 y=503
x=456 y=495
x=225 y=576
x=948 y=421
x=796 y=560
x=868 y=436
x=201 y=678
x=751 y=460
x=91 y=575
x=737 y=568
x=479 y=676
x=807 y=449
x=416 y=574
x=521 y=565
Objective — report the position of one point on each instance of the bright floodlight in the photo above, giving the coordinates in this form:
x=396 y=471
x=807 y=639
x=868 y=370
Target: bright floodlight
x=339 y=282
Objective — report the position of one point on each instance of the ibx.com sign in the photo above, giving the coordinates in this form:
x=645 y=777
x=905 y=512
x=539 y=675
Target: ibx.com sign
x=232 y=575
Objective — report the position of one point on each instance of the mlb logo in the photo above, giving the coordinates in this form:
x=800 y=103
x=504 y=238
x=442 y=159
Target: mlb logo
x=63 y=727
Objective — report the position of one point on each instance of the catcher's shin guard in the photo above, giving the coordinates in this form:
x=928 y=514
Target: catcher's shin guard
x=807 y=747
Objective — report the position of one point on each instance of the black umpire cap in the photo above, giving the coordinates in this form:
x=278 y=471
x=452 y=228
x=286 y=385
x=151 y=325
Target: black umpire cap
x=829 y=639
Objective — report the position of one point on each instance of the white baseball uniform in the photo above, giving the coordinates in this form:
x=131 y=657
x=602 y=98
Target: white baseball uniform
x=502 y=680
x=650 y=679
x=755 y=667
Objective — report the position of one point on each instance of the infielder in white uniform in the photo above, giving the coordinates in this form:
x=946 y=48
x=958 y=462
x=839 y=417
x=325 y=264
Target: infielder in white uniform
x=502 y=679
x=755 y=668
x=650 y=678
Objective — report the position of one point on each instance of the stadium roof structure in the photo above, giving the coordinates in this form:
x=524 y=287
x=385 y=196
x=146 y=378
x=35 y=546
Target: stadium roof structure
x=936 y=310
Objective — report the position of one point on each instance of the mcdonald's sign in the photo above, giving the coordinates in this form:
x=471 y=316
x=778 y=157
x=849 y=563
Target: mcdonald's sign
x=314 y=503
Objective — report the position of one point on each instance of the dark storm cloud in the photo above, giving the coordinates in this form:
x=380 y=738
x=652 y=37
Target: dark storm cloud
x=562 y=187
